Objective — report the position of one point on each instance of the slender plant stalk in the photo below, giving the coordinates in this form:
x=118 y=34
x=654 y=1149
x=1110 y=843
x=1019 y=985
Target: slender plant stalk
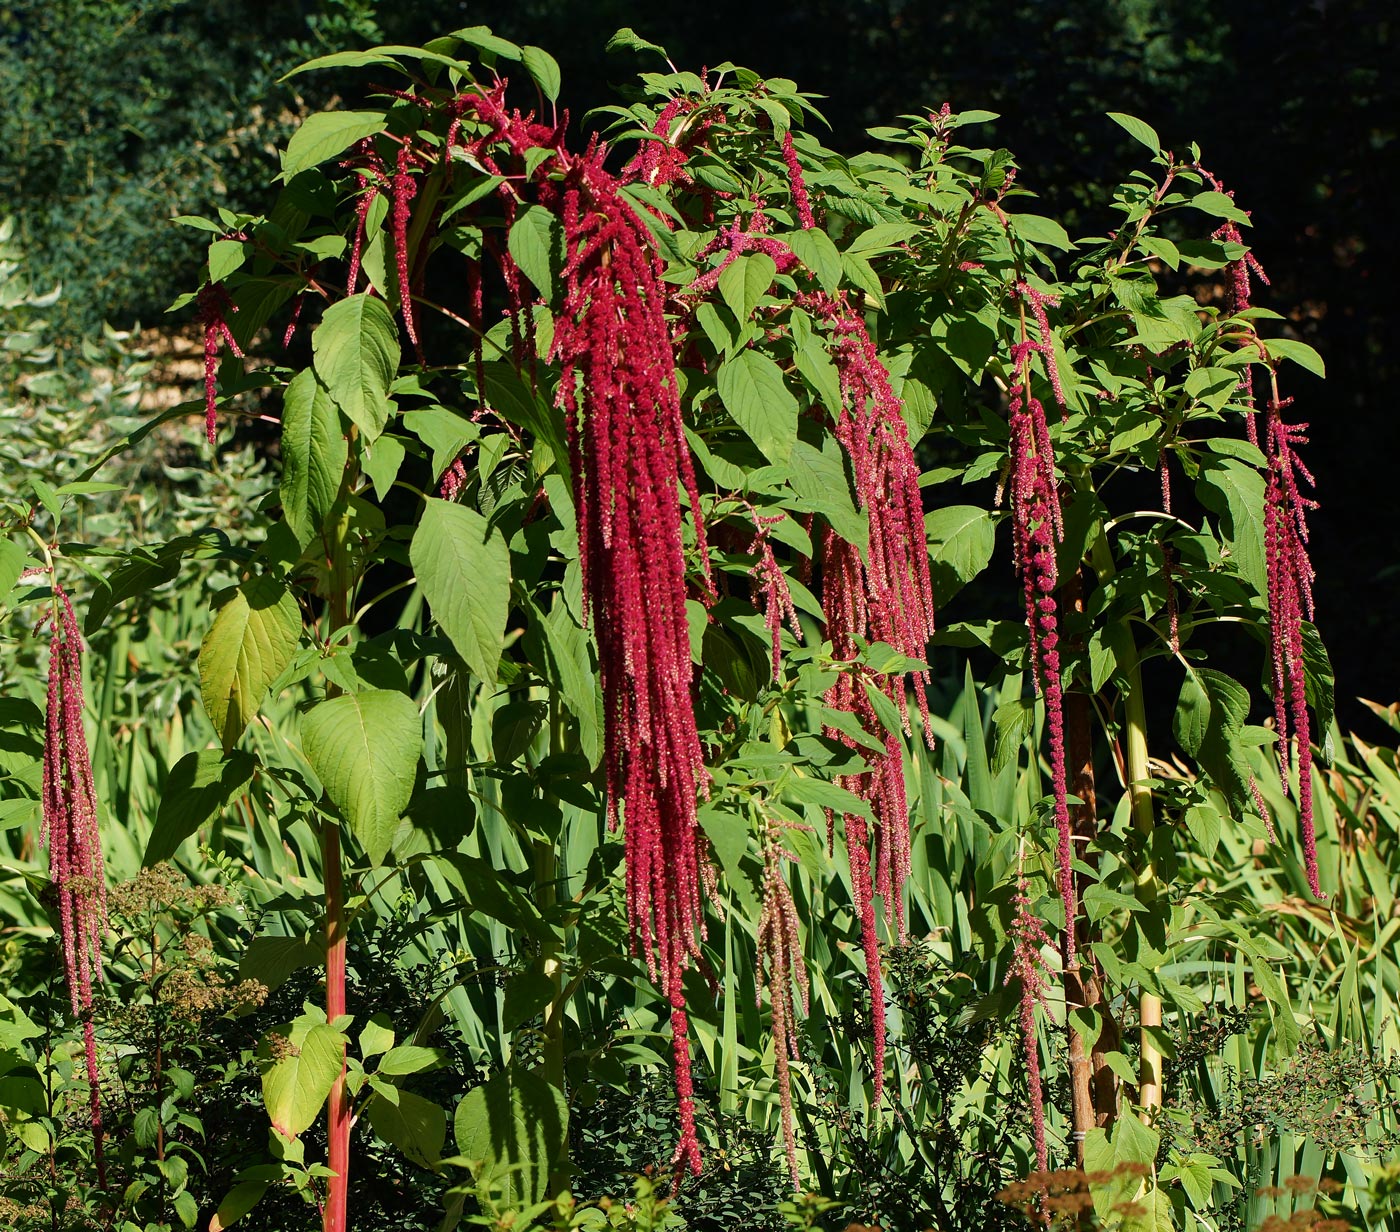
x=335 y=1215
x=1144 y=820
x=546 y=860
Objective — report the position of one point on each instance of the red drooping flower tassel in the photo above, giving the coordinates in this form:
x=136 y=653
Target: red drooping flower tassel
x=797 y=183
x=1036 y=529
x=888 y=597
x=1290 y=575
x=75 y=846
x=213 y=305
x=403 y=188
x=630 y=462
x=1288 y=567
x=780 y=963
x=770 y=581
x=1028 y=969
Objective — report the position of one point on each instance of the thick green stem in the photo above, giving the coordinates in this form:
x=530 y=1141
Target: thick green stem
x=546 y=861
x=1138 y=774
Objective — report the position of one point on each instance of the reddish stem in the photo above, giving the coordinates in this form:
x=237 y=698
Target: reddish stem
x=334 y=1218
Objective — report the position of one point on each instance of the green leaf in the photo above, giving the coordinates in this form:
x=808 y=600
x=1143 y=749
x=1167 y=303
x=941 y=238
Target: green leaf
x=251 y=641
x=270 y=960
x=543 y=69
x=325 y=134
x=754 y=392
x=516 y=1125
x=961 y=539
x=536 y=242
x=1227 y=486
x=628 y=39
x=818 y=476
x=482 y=39
x=1204 y=824
x=416 y=1126
x=517 y=402
x=314 y=453
x=820 y=373
x=463 y=567
x=1208 y=724
x=729 y=832
x=1299 y=352
x=356 y=349
x=814 y=248
x=237 y=1202
x=11 y=566
x=527 y=994
x=1219 y=205
x=513 y=729
x=746 y=281
x=382 y=464
x=807 y=790
x=409 y=1059
x=295 y=1087
x=225 y=256
x=1139 y=129
x=1040 y=230
x=364 y=748
x=200 y=784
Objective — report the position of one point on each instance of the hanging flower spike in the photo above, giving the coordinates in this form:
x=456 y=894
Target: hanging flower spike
x=367 y=161
x=403 y=189
x=1037 y=529
x=1288 y=567
x=770 y=581
x=886 y=597
x=75 y=846
x=213 y=303
x=1028 y=969
x=797 y=184
x=630 y=461
x=1290 y=577
x=780 y=962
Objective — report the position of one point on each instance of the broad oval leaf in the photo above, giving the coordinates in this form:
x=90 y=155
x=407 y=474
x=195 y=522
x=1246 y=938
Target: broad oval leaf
x=314 y=453
x=536 y=242
x=753 y=391
x=463 y=566
x=543 y=69
x=295 y=1087
x=356 y=349
x=515 y=1124
x=745 y=282
x=326 y=134
x=364 y=748
x=960 y=543
x=416 y=1126
x=251 y=641
x=200 y=784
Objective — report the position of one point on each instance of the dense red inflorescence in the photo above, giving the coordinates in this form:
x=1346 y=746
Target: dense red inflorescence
x=770 y=583
x=75 y=846
x=631 y=463
x=797 y=184
x=1290 y=575
x=1028 y=969
x=780 y=964
x=883 y=595
x=1289 y=569
x=213 y=306
x=1036 y=529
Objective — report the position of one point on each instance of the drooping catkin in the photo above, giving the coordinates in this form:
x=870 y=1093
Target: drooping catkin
x=76 y=869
